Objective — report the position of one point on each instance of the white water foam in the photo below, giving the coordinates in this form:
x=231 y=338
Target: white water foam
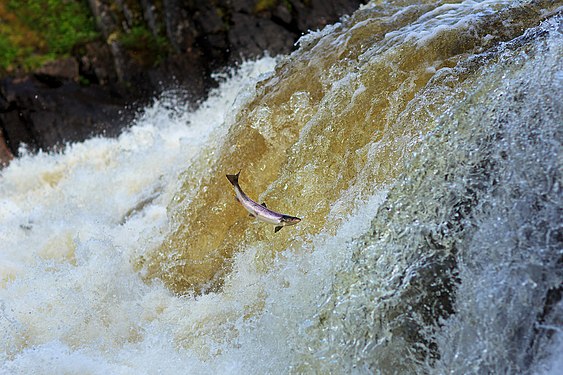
x=73 y=223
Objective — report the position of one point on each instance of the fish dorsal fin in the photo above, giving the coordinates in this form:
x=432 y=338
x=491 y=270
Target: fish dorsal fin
x=276 y=230
x=264 y=205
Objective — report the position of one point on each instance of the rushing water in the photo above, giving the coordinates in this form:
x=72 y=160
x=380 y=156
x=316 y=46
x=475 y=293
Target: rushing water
x=419 y=141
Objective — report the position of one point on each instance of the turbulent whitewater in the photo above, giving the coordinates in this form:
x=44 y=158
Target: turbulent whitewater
x=420 y=143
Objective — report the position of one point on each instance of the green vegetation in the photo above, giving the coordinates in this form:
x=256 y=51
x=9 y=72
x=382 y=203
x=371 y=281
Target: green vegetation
x=141 y=43
x=262 y=5
x=35 y=31
x=143 y=46
x=288 y=5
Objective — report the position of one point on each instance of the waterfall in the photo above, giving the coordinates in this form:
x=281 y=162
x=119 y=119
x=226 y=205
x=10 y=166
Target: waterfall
x=420 y=143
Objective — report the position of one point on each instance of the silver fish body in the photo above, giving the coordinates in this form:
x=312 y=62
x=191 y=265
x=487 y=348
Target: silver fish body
x=260 y=211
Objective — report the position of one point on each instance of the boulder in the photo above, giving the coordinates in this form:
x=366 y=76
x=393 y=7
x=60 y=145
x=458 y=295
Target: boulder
x=63 y=69
x=43 y=112
x=5 y=153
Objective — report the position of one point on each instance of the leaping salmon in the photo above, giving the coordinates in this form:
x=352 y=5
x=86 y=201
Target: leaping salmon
x=260 y=211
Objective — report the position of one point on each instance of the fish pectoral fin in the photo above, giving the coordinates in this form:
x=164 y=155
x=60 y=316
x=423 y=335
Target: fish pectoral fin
x=264 y=205
x=251 y=215
x=276 y=230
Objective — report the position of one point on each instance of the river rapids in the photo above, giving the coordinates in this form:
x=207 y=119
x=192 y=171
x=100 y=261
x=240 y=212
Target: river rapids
x=419 y=141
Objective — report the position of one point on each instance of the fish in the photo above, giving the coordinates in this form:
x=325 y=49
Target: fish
x=261 y=211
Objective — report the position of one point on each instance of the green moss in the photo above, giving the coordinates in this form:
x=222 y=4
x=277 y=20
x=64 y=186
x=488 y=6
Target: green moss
x=262 y=5
x=84 y=81
x=159 y=14
x=35 y=31
x=143 y=46
x=140 y=42
x=8 y=53
x=288 y=5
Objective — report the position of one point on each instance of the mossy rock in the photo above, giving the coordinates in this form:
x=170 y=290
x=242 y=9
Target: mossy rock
x=33 y=32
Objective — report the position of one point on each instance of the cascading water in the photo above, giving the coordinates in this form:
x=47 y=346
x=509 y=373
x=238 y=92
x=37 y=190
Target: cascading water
x=419 y=141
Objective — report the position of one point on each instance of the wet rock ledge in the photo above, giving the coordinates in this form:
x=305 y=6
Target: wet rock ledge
x=143 y=48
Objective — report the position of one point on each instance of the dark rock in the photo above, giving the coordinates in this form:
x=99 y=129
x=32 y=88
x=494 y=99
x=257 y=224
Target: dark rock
x=184 y=72
x=5 y=154
x=64 y=69
x=152 y=16
x=179 y=28
x=221 y=32
x=218 y=32
x=282 y=13
x=244 y=6
x=250 y=36
x=316 y=14
x=210 y=20
x=104 y=17
x=96 y=64
x=114 y=19
x=42 y=117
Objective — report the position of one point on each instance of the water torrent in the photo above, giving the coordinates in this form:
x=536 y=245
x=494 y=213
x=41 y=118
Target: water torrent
x=420 y=142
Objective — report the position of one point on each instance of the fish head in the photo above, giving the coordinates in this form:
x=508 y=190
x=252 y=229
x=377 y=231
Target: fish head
x=290 y=220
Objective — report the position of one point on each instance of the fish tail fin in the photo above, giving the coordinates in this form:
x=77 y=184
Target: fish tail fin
x=233 y=178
